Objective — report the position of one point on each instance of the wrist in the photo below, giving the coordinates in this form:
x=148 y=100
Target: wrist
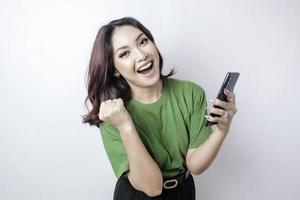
x=126 y=127
x=222 y=131
x=220 y=134
x=217 y=138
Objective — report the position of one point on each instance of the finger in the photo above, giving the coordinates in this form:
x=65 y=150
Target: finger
x=217 y=111
x=230 y=96
x=101 y=109
x=114 y=106
x=117 y=106
x=100 y=115
x=221 y=119
x=218 y=102
x=109 y=108
x=120 y=102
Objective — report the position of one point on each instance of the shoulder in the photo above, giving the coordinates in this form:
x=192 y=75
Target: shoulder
x=186 y=86
x=186 y=93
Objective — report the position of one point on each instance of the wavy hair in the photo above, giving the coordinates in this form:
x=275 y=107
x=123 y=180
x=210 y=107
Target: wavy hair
x=100 y=81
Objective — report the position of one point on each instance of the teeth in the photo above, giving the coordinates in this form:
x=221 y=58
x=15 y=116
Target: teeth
x=145 y=66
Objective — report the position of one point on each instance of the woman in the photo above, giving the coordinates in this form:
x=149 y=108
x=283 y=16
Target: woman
x=152 y=126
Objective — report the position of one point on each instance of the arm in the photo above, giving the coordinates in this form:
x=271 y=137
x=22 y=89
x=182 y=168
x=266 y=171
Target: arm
x=144 y=174
x=199 y=159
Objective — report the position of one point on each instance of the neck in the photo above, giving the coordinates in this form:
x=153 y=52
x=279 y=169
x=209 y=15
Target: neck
x=150 y=94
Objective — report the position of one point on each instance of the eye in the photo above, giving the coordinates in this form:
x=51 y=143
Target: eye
x=123 y=54
x=144 y=41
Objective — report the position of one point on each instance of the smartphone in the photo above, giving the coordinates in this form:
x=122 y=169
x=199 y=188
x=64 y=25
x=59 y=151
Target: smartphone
x=228 y=83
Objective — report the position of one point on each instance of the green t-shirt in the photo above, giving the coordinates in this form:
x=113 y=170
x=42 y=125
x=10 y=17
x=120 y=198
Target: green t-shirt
x=168 y=127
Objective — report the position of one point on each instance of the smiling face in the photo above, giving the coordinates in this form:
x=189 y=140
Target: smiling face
x=135 y=57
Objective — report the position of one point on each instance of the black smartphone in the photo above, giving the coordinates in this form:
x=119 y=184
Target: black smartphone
x=228 y=83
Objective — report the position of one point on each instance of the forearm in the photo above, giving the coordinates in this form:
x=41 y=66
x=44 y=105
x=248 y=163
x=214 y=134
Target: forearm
x=144 y=174
x=202 y=157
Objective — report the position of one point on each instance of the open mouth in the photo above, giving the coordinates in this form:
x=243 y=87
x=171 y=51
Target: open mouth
x=146 y=68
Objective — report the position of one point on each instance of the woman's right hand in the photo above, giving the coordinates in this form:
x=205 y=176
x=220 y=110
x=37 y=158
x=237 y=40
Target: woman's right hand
x=114 y=112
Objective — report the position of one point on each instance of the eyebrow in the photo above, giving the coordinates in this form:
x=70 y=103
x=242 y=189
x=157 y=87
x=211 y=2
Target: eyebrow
x=124 y=47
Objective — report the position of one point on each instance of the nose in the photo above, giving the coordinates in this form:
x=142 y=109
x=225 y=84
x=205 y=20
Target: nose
x=141 y=55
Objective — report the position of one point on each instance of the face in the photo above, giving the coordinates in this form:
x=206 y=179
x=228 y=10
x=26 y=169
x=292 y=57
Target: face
x=135 y=57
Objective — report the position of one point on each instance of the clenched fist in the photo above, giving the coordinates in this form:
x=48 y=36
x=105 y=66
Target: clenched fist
x=114 y=112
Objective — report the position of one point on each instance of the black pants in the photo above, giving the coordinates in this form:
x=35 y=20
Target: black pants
x=184 y=191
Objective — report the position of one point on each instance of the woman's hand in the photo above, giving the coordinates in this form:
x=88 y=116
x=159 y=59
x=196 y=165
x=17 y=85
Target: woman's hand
x=226 y=115
x=114 y=112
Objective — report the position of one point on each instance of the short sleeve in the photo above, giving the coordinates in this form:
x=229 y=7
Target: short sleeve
x=198 y=131
x=114 y=148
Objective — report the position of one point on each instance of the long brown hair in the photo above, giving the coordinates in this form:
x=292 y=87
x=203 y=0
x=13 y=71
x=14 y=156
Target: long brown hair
x=101 y=82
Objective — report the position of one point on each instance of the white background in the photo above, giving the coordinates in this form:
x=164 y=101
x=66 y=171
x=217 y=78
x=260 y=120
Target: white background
x=46 y=152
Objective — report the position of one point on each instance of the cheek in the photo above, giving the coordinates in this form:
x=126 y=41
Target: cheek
x=154 y=51
x=155 y=54
x=124 y=66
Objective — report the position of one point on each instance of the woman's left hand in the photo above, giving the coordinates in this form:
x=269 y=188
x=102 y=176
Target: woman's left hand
x=226 y=115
